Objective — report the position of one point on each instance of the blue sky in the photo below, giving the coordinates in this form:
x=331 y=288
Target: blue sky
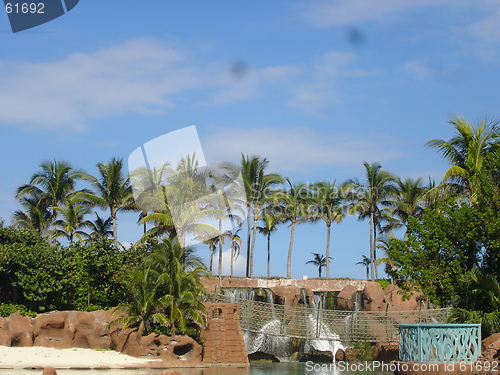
x=317 y=87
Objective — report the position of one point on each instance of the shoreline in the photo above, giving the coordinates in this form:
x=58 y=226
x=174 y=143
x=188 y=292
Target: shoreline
x=38 y=357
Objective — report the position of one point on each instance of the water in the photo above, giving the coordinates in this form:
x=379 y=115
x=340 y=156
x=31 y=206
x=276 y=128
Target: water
x=286 y=368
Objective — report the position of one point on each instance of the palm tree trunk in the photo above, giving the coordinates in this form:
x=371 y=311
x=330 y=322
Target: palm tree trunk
x=290 y=248
x=115 y=229
x=247 y=271
x=372 y=254
x=212 y=251
x=319 y=270
x=254 y=235
x=327 y=252
x=232 y=259
x=269 y=254
x=367 y=272
x=220 y=252
x=375 y=251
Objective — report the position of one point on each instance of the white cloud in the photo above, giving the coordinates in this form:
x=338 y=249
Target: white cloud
x=143 y=76
x=134 y=76
x=351 y=12
x=322 y=87
x=298 y=149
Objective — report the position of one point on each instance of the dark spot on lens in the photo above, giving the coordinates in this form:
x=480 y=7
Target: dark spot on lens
x=355 y=36
x=238 y=69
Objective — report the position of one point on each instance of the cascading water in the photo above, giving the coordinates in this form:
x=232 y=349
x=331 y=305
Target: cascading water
x=317 y=328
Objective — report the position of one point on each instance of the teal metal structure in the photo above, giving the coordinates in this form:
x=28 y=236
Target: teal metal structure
x=439 y=343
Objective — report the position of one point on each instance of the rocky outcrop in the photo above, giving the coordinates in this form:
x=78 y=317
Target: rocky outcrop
x=346 y=298
x=377 y=299
x=286 y=295
x=386 y=351
x=79 y=329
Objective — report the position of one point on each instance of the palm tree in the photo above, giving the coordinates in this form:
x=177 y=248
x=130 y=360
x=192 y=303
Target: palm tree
x=37 y=214
x=269 y=225
x=113 y=191
x=101 y=227
x=235 y=246
x=366 y=262
x=319 y=261
x=212 y=246
x=384 y=244
x=369 y=199
x=329 y=207
x=258 y=186
x=72 y=223
x=179 y=285
x=466 y=152
x=409 y=201
x=144 y=306
x=292 y=207
x=48 y=189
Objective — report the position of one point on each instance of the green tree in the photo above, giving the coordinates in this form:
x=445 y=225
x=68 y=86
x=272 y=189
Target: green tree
x=466 y=152
x=292 y=206
x=72 y=223
x=319 y=261
x=366 y=263
x=48 y=189
x=101 y=228
x=258 y=186
x=269 y=225
x=370 y=200
x=329 y=207
x=112 y=191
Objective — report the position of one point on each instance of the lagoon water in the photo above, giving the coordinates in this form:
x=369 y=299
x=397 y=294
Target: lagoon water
x=284 y=368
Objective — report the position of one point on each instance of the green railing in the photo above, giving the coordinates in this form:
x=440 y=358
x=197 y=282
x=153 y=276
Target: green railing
x=431 y=343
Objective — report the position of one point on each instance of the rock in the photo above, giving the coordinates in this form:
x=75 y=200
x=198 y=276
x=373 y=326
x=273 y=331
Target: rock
x=317 y=356
x=386 y=351
x=20 y=330
x=346 y=298
x=49 y=371
x=377 y=299
x=490 y=349
x=340 y=355
x=287 y=295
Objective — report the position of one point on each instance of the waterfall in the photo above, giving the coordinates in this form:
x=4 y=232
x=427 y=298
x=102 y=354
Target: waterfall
x=317 y=328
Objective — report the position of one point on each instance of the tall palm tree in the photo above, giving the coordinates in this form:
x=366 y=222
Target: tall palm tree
x=49 y=188
x=258 y=186
x=369 y=199
x=292 y=206
x=212 y=246
x=319 y=261
x=366 y=263
x=409 y=201
x=269 y=225
x=329 y=207
x=235 y=246
x=113 y=191
x=466 y=153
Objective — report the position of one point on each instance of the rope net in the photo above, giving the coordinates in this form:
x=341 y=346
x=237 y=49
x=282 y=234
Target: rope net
x=320 y=324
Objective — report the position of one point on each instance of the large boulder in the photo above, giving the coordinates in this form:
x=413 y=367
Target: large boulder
x=490 y=349
x=287 y=295
x=175 y=351
x=377 y=299
x=20 y=330
x=346 y=298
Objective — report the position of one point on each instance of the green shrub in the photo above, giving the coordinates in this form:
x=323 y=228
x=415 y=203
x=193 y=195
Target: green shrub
x=384 y=283
x=7 y=309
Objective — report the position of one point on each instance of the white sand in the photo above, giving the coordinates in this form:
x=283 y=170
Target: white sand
x=67 y=358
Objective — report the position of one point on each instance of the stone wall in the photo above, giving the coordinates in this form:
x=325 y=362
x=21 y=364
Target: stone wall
x=314 y=285
x=223 y=337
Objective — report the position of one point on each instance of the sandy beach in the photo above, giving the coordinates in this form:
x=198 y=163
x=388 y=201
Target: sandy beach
x=16 y=358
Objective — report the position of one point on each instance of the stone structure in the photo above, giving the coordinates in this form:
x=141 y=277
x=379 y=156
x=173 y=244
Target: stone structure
x=314 y=285
x=223 y=337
